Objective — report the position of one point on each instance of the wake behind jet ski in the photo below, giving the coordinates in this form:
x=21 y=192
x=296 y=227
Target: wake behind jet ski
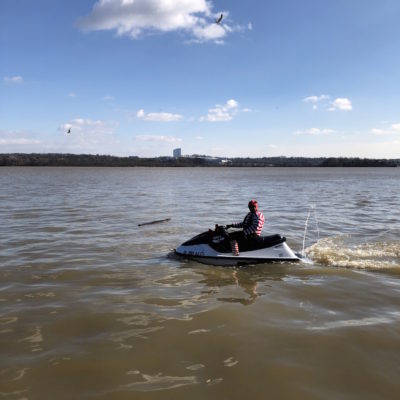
x=214 y=247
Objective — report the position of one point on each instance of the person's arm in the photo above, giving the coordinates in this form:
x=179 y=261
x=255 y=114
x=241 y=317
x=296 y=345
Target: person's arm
x=236 y=225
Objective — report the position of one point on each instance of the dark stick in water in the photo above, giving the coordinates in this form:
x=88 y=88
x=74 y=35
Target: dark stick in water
x=155 y=222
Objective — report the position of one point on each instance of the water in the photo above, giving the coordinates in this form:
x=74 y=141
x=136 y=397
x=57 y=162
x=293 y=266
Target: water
x=92 y=307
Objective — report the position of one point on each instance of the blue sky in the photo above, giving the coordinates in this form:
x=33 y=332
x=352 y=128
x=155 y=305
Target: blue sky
x=312 y=78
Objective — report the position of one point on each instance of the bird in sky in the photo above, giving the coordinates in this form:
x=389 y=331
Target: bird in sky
x=69 y=130
x=218 y=21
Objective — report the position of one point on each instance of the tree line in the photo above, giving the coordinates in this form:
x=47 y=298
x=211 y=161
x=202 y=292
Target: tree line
x=97 y=160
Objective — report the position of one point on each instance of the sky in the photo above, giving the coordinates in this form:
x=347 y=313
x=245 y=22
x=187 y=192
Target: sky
x=308 y=78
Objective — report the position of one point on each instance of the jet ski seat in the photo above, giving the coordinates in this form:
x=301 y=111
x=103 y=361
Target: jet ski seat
x=261 y=242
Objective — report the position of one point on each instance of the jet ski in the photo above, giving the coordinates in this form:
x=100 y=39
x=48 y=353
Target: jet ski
x=213 y=247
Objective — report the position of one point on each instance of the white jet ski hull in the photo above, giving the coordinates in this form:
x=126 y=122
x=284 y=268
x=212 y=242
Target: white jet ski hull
x=207 y=253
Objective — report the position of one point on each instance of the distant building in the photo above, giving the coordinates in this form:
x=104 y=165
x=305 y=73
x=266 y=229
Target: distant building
x=177 y=153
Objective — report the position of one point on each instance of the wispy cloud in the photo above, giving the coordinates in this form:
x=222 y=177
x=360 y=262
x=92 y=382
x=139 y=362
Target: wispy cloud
x=222 y=113
x=159 y=117
x=315 y=132
x=394 y=129
x=155 y=138
x=71 y=94
x=87 y=135
x=135 y=18
x=315 y=100
x=18 y=141
x=13 y=80
x=9 y=138
x=342 y=104
x=89 y=127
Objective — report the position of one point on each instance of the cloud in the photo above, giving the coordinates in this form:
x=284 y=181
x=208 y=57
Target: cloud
x=134 y=18
x=10 y=138
x=210 y=32
x=232 y=104
x=18 y=141
x=72 y=94
x=13 y=80
x=315 y=132
x=108 y=98
x=315 y=100
x=159 y=117
x=378 y=131
x=89 y=127
x=394 y=129
x=87 y=135
x=341 y=103
x=221 y=113
x=164 y=139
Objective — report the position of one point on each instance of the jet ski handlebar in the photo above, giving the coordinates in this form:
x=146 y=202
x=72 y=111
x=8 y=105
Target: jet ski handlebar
x=221 y=227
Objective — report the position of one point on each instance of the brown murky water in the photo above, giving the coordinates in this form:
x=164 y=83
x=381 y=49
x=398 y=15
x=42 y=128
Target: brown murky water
x=92 y=306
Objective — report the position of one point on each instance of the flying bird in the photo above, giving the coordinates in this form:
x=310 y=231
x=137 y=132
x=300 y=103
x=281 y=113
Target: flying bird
x=218 y=21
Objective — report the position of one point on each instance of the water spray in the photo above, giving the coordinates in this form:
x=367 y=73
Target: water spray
x=311 y=208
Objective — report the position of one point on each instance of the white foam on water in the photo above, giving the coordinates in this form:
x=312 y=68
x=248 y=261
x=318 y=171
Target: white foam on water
x=230 y=362
x=338 y=251
x=159 y=382
x=199 y=331
x=391 y=317
x=195 y=367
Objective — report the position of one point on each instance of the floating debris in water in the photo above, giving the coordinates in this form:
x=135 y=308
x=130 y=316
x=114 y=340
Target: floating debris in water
x=159 y=221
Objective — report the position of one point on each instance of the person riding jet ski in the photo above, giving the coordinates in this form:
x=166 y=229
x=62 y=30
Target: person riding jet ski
x=220 y=247
x=252 y=226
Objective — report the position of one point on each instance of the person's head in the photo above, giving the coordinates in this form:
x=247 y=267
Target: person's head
x=253 y=205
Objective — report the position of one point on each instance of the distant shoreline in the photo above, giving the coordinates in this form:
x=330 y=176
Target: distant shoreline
x=91 y=160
